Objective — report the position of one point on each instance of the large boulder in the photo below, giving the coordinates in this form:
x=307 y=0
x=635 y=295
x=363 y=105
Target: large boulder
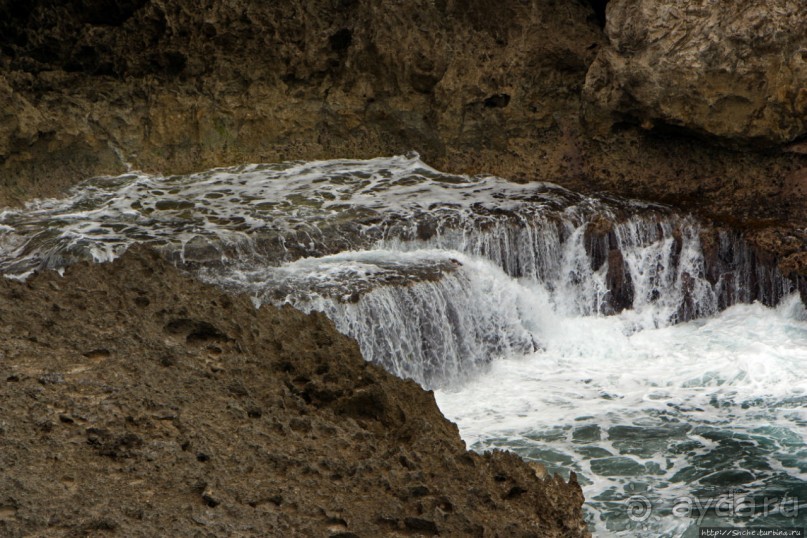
x=732 y=70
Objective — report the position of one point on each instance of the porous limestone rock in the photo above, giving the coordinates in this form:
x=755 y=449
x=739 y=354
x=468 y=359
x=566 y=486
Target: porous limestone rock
x=735 y=71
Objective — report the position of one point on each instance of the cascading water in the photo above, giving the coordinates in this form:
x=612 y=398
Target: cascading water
x=585 y=333
x=431 y=315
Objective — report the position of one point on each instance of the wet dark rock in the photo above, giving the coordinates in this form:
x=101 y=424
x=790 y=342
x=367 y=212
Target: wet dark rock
x=617 y=466
x=644 y=433
x=727 y=478
x=588 y=433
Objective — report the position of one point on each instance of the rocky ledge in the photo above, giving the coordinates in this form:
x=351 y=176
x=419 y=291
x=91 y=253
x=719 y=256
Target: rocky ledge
x=140 y=402
x=699 y=105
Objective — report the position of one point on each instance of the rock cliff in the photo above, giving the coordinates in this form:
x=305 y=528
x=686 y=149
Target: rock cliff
x=696 y=107
x=736 y=72
x=127 y=384
x=182 y=85
x=139 y=402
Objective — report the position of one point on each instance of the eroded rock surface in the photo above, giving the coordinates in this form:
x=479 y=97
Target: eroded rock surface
x=734 y=71
x=139 y=402
x=181 y=85
x=88 y=86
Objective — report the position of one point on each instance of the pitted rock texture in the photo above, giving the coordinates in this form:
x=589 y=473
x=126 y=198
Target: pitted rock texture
x=182 y=85
x=138 y=402
x=731 y=70
x=89 y=87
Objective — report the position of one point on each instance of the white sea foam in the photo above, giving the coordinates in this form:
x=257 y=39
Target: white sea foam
x=686 y=393
x=495 y=293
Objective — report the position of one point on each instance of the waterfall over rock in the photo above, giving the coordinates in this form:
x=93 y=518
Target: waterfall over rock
x=261 y=228
x=619 y=339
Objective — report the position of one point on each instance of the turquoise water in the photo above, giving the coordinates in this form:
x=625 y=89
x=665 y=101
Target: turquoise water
x=699 y=423
x=491 y=293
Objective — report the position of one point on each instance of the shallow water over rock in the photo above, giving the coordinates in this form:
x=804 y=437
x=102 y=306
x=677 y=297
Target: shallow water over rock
x=582 y=332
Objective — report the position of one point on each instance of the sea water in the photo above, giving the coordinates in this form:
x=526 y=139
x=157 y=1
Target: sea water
x=698 y=423
x=683 y=407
